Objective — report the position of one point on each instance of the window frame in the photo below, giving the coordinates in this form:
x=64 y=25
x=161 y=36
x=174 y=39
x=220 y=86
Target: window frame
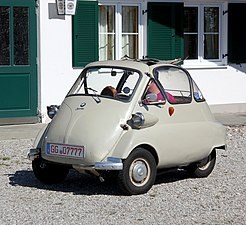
x=118 y=26
x=201 y=61
x=186 y=99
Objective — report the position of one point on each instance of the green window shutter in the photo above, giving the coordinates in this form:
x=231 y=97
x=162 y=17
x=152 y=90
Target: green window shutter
x=236 y=33
x=165 y=30
x=85 y=33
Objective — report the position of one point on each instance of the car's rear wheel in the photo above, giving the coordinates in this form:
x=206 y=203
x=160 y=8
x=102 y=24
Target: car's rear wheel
x=49 y=173
x=139 y=172
x=204 y=167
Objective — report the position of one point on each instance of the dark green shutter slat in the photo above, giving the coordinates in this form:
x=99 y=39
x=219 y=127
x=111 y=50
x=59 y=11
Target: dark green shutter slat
x=179 y=30
x=85 y=33
x=165 y=30
x=236 y=32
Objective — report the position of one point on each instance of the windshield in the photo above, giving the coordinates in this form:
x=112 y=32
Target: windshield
x=110 y=82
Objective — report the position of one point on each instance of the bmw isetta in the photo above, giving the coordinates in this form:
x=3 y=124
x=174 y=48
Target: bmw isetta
x=128 y=119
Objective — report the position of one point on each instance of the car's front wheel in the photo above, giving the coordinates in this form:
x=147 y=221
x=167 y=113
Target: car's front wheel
x=139 y=172
x=204 y=167
x=49 y=173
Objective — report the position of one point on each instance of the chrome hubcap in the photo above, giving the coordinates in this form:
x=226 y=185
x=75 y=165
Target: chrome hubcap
x=139 y=172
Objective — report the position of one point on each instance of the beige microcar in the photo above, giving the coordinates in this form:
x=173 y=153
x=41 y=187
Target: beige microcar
x=126 y=120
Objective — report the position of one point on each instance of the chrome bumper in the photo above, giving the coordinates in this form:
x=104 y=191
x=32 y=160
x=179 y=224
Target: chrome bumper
x=110 y=164
x=33 y=154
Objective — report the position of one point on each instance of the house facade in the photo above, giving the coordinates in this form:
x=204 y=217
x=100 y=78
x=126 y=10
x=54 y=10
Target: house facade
x=42 y=53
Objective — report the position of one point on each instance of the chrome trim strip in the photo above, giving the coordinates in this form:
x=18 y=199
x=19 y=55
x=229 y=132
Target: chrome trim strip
x=110 y=164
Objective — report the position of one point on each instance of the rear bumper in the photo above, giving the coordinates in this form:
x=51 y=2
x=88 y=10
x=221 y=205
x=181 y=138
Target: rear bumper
x=110 y=164
x=33 y=154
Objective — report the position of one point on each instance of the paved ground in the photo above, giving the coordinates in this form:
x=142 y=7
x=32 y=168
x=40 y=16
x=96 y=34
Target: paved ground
x=23 y=131
x=175 y=198
x=26 y=131
x=231 y=119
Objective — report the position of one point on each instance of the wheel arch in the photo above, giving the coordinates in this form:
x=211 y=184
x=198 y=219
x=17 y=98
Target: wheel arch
x=151 y=149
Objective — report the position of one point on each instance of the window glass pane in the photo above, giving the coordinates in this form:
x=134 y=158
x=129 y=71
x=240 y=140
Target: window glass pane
x=130 y=45
x=106 y=32
x=4 y=36
x=175 y=83
x=119 y=83
x=190 y=19
x=130 y=31
x=130 y=19
x=191 y=46
x=211 y=46
x=211 y=32
x=21 y=36
x=211 y=19
x=191 y=32
x=106 y=48
x=197 y=93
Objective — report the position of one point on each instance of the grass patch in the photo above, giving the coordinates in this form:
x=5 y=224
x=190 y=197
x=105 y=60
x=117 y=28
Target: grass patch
x=4 y=164
x=5 y=158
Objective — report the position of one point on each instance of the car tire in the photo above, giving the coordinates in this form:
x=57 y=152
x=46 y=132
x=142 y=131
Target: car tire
x=204 y=167
x=49 y=173
x=139 y=172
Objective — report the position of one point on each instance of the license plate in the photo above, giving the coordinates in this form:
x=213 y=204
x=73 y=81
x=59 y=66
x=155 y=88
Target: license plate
x=65 y=150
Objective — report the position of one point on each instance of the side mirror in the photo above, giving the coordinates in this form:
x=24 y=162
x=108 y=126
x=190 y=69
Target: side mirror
x=151 y=97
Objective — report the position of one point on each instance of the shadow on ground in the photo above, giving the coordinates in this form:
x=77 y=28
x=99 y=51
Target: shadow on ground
x=83 y=184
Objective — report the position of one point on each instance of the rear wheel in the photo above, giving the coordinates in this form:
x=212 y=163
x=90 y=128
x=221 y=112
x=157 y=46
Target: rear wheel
x=204 y=167
x=49 y=173
x=139 y=172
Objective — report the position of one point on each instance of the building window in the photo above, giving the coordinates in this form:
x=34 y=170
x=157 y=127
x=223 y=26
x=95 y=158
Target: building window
x=14 y=25
x=202 y=33
x=130 y=31
x=211 y=32
x=4 y=35
x=123 y=39
x=106 y=32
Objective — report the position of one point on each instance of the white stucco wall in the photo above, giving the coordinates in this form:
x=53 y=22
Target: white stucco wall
x=224 y=88
x=56 y=74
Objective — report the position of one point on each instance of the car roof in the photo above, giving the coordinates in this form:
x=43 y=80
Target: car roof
x=139 y=64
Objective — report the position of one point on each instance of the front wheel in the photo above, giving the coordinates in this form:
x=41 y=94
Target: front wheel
x=139 y=172
x=49 y=173
x=204 y=167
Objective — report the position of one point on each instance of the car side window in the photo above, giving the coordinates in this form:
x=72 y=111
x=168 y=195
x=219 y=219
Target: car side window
x=197 y=93
x=153 y=94
x=176 y=84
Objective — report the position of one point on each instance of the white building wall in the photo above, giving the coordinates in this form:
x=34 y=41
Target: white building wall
x=56 y=74
x=223 y=87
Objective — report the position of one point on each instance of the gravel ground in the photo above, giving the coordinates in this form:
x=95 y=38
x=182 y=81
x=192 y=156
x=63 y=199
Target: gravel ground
x=82 y=199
